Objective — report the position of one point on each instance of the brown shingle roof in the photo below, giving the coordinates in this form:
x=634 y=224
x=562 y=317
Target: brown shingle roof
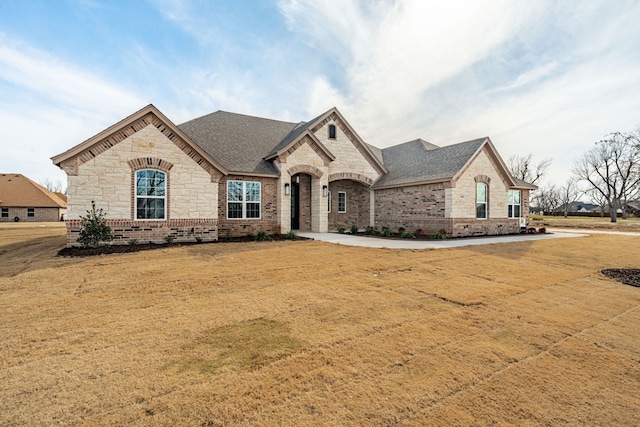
x=19 y=191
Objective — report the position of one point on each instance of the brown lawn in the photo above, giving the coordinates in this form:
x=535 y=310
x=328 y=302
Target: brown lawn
x=306 y=333
x=596 y=223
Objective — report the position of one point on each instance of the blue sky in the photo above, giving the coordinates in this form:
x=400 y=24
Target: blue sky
x=541 y=77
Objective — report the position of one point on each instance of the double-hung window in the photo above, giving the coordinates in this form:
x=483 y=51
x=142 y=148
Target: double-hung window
x=243 y=199
x=5 y=212
x=514 y=204
x=481 y=200
x=151 y=194
x=31 y=212
x=342 y=201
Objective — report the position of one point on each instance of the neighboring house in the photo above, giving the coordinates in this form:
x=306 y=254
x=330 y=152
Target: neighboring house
x=228 y=174
x=23 y=200
x=633 y=208
x=578 y=207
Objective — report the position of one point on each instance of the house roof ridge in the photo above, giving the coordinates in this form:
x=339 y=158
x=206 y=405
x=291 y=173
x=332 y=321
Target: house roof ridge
x=240 y=114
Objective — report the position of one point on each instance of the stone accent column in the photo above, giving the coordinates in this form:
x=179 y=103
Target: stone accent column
x=319 y=214
x=284 y=201
x=372 y=208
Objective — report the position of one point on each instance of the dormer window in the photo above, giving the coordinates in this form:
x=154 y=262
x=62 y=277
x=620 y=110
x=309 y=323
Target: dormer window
x=332 y=131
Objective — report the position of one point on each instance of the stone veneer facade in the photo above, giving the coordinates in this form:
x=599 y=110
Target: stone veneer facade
x=107 y=179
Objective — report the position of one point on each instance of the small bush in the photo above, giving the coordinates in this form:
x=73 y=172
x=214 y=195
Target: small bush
x=369 y=230
x=408 y=235
x=262 y=236
x=401 y=230
x=354 y=229
x=198 y=239
x=94 y=228
x=132 y=242
x=542 y=230
x=419 y=232
x=290 y=235
x=439 y=236
x=169 y=238
x=341 y=230
x=386 y=232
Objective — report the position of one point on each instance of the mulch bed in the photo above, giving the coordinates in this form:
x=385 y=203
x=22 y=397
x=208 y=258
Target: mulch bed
x=628 y=276
x=77 y=251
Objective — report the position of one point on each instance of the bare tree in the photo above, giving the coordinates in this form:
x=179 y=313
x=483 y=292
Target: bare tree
x=612 y=169
x=598 y=199
x=547 y=198
x=523 y=167
x=569 y=194
x=55 y=187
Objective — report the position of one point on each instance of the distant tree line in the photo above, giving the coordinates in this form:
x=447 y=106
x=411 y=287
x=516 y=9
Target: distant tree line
x=608 y=173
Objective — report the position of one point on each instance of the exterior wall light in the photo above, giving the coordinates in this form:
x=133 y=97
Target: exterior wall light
x=287 y=189
x=324 y=190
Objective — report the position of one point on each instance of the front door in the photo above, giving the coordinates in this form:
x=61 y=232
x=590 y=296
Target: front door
x=295 y=205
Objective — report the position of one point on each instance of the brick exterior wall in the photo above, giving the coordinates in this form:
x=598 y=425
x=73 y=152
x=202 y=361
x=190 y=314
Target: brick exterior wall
x=412 y=208
x=423 y=207
x=124 y=231
x=40 y=215
x=268 y=221
x=358 y=205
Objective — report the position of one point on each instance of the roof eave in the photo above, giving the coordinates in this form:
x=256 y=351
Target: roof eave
x=412 y=183
x=300 y=137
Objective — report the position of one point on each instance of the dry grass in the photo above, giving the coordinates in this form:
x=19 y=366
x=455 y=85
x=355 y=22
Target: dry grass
x=595 y=223
x=306 y=333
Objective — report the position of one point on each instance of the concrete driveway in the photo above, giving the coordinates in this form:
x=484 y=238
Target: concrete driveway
x=375 y=242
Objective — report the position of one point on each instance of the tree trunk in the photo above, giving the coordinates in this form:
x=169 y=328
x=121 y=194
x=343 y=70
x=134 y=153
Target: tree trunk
x=613 y=213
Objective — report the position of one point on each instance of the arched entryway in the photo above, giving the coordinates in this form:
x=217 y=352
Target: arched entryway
x=301 y=210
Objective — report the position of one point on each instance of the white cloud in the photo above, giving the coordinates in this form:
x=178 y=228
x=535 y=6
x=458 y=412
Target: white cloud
x=541 y=77
x=49 y=78
x=49 y=106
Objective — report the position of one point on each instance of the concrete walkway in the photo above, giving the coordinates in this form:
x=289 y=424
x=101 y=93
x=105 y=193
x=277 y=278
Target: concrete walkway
x=374 y=242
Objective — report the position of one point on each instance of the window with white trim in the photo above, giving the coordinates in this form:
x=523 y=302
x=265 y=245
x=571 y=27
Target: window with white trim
x=328 y=201
x=342 y=201
x=31 y=212
x=151 y=194
x=514 y=204
x=243 y=199
x=482 y=197
x=5 y=212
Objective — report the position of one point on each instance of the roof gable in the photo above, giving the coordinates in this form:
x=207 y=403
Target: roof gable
x=495 y=157
x=71 y=159
x=17 y=190
x=309 y=128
